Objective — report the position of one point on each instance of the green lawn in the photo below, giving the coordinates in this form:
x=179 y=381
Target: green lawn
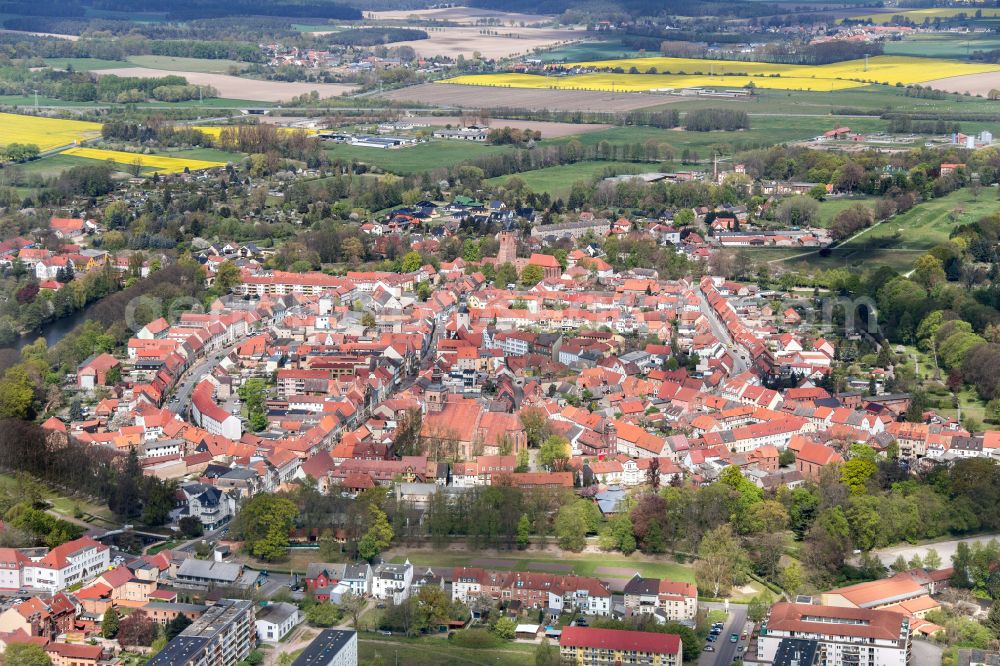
x=438 y=651
x=414 y=159
x=929 y=223
x=896 y=243
x=65 y=506
x=583 y=564
x=828 y=209
x=52 y=165
x=176 y=64
x=558 y=180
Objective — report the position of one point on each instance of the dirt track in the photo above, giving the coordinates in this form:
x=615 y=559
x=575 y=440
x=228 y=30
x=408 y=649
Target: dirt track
x=234 y=87
x=483 y=97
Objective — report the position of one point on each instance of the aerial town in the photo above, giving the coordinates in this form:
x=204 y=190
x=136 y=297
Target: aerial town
x=379 y=332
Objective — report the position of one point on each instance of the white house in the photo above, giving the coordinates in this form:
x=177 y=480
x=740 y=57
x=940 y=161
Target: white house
x=392 y=581
x=73 y=562
x=275 y=620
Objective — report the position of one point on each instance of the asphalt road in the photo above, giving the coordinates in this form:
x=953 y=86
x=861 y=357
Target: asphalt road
x=720 y=332
x=725 y=651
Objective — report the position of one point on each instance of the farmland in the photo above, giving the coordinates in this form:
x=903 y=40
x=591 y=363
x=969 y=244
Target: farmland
x=236 y=87
x=476 y=97
x=656 y=73
x=156 y=163
x=927 y=45
x=46 y=133
x=174 y=64
x=918 y=15
x=414 y=159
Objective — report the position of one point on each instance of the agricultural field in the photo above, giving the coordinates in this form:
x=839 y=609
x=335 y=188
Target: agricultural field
x=154 y=163
x=588 y=51
x=918 y=15
x=558 y=180
x=235 y=87
x=46 y=133
x=948 y=45
x=656 y=73
x=173 y=64
x=473 y=97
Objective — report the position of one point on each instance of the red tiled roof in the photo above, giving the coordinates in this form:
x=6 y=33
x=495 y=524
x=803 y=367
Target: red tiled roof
x=618 y=639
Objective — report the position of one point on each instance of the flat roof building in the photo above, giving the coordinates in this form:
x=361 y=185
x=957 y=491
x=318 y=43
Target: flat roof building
x=224 y=635
x=596 y=647
x=333 y=647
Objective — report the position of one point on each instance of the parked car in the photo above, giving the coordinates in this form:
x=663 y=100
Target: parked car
x=709 y=648
x=733 y=638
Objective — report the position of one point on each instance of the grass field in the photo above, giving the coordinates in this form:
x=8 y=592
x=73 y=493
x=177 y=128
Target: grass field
x=918 y=15
x=828 y=209
x=155 y=163
x=585 y=564
x=46 y=133
x=171 y=63
x=658 y=73
x=928 y=224
x=896 y=243
x=588 y=51
x=414 y=159
x=558 y=180
x=927 y=45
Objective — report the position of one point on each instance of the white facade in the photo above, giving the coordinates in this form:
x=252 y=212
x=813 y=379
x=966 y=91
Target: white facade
x=392 y=582
x=274 y=625
x=849 y=635
x=73 y=562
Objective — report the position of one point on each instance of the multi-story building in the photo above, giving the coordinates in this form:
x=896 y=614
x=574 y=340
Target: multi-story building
x=669 y=599
x=12 y=563
x=333 y=647
x=223 y=636
x=847 y=636
x=392 y=581
x=596 y=647
x=275 y=620
x=533 y=590
x=73 y=562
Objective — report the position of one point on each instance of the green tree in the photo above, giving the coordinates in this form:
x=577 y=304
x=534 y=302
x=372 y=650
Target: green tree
x=545 y=655
x=322 y=614
x=432 y=608
x=523 y=532
x=176 y=626
x=368 y=320
x=378 y=537
x=571 y=526
x=109 y=625
x=504 y=628
x=264 y=523
x=227 y=276
x=791 y=578
x=932 y=560
x=554 y=452
x=17 y=393
x=856 y=472
x=532 y=275
x=721 y=561
x=25 y=654
x=412 y=261
x=759 y=606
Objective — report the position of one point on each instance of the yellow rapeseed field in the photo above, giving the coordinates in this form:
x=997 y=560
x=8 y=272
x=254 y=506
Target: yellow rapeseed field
x=693 y=72
x=160 y=163
x=215 y=130
x=918 y=15
x=46 y=133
